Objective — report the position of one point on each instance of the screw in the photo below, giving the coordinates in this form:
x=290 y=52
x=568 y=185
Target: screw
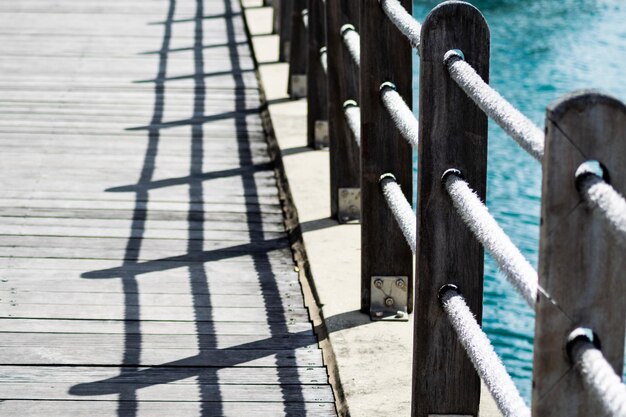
x=389 y=301
x=354 y=210
x=378 y=283
x=400 y=284
x=344 y=193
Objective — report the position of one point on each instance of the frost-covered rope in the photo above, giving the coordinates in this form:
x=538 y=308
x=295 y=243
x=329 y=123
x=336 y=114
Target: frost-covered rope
x=483 y=356
x=598 y=375
x=606 y=201
x=511 y=120
x=352 y=111
x=400 y=113
x=400 y=207
x=352 y=40
x=477 y=217
x=324 y=59
x=403 y=20
x=305 y=18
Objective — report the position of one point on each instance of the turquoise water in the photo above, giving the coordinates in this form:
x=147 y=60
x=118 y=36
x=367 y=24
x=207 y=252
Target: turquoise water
x=540 y=50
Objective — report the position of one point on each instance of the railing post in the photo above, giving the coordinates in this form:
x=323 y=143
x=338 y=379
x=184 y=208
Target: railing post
x=276 y=20
x=285 y=29
x=452 y=135
x=298 y=53
x=581 y=264
x=386 y=56
x=343 y=85
x=317 y=113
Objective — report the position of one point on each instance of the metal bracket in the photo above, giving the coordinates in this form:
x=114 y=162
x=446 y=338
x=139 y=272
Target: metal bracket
x=321 y=134
x=298 y=86
x=287 y=51
x=389 y=298
x=349 y=205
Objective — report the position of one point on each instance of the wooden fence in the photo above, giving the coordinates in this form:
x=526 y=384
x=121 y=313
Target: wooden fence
x=582 y=263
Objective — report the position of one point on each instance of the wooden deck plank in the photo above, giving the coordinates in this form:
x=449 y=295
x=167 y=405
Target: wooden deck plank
x=151 y=327
x=162 y=409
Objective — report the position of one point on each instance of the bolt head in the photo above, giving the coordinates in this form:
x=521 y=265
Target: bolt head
x=400 y=284
x=378 y=283
x=389 y=302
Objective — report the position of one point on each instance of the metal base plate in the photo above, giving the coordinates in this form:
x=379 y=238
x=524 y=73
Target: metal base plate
x=321 y=134
x=349 y=205
x=298 y=86
x=388 y=298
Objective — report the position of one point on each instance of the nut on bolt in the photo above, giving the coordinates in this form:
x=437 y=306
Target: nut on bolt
x=378 y=283
x=389 y=302
x=400 y=284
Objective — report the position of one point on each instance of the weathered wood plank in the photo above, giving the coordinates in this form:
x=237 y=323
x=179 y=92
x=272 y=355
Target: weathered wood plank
x=581 y=263
x=162 y=408
x=452 y=135
x=317 y=109
x=13 y=325
x=156 y=342
x=383 y=150
x=271 y=301
x=343 y=85
x=183 y=356
x=121 y=312
x=145 y=376
x=172 y=392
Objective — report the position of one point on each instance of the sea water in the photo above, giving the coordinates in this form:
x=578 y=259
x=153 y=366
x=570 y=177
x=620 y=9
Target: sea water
x=540 y=51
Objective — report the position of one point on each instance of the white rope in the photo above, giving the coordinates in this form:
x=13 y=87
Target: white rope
x=486 y=229
x=483 y=356
x=400 y=207
x=598 y=377
x=305 y=18
x=606 y=201
x=400 y=113
x=352 y=40
x=402 y=20
x=352 y=111
x=324 y=59
x=514 y=123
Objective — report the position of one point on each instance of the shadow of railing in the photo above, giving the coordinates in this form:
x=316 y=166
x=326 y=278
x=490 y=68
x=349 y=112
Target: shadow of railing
x=132 y=377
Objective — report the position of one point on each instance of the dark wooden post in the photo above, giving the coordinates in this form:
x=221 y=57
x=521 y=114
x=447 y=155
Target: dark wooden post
x=452 y=134
x=317 y=113
x=386 y=55
x=285 y=29
x=276 y=6
x=581 y=264
x=343 y=85
x=298 y=52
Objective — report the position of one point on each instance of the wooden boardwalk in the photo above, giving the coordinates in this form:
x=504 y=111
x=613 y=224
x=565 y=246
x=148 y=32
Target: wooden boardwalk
x=144 y=265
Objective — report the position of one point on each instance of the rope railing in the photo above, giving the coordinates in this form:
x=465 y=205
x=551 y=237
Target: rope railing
x=597 y=374
x=455 y=226
x=324 y=59
x=403 y=20
x=400 y=207
x=352 y=41
x=400 y=113
x=353 y=119
x=511 y=120
x=599 y=195
x=604 y=199
x=305 y=18
x=476 y=216
x=480 y=351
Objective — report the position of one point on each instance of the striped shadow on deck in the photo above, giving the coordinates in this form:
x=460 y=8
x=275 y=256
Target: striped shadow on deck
x=144 y=265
